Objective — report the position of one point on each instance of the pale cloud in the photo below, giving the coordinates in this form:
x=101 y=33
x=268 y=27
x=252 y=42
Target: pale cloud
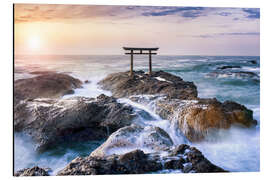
x=174 y=29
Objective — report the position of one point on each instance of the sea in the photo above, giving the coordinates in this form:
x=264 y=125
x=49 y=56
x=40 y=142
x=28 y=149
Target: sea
x=234 y=78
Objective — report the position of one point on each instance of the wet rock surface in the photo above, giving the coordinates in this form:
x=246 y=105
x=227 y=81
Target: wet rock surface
x=52 y=121
x=138 y=162
x=198 y=118
x=47 y=85
x=132 y=137
x=34 y=171
x=160 y=82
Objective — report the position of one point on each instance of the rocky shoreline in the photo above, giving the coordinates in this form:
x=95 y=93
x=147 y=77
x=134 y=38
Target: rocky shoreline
x=40 y=112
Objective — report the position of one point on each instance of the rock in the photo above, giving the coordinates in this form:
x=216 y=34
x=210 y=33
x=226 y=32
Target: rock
x=253 y=62
x=131 y=137
x=198 y=118
x=200 y=164
x=42 y=72
x=54 y=121
x=160 y=82
x=87 y=81
x=48 y=85
x=174 y=164
x=228 y=67
x=34 y=171
x=181 y=149
x=137 y=162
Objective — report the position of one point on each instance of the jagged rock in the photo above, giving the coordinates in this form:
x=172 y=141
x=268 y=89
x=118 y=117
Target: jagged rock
x=198 y=118
x=228 y=67
x=137 y=162
x=160 y=82
x=134 y=136
x=199 y=163
x=47 y=85
x=53 y=121
x=34 y=171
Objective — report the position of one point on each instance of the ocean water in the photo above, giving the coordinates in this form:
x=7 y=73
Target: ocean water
x=236 y=150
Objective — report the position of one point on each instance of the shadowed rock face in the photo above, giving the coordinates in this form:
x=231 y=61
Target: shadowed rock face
x=132 y=137
x=188 y=159
x=34 y=171
x=52 y=121
x=122 y=85
x=197 y=118
x=48 y=85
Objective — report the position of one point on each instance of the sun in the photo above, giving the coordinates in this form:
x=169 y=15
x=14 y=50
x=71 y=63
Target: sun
x=34 y=43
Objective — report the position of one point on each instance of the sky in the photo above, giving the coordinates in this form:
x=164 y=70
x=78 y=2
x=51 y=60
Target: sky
x=89 y=29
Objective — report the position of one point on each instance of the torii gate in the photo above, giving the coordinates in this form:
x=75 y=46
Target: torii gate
x=140 y=51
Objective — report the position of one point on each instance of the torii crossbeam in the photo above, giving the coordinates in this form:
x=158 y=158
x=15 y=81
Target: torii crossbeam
x=133 y=50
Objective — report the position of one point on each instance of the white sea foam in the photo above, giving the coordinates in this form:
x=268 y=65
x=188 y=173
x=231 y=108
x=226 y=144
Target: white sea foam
x=90 y=89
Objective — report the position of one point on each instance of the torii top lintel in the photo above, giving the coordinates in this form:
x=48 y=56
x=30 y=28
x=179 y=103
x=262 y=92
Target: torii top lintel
x=141 y=51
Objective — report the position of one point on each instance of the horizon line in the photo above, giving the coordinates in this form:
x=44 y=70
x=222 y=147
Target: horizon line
x=122 y=55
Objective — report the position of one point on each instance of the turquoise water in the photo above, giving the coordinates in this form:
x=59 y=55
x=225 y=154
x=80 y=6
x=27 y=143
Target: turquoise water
x=235 y=150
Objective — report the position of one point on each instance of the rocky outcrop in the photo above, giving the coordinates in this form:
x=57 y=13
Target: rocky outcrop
x=47 y=85
x=253 y=62
x=228 y=67
x=149 y=138
x=137 y=162
x=53 y=121
x=160 y=82
x=198 y=118
x=34 y=171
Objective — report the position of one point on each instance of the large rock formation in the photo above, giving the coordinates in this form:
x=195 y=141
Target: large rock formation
x=184 y=158
x=198 y=118
x=34 y=171
x=52 y=121
x=122 y=85
x=48 y=85
x=149 y=138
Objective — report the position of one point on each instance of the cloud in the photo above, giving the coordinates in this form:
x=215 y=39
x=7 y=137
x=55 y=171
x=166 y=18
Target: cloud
x=191 y=12
x=49 y=12
x=227 y=34
x=224 y=13
x=252 y=13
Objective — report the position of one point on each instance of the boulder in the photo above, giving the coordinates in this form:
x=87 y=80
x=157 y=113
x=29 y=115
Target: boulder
x=135 y=162
x=198 y=118
x=199 y=163
x=47 y=85
x=34 y=171
x=160 y=82
x=53 y=121
x=149 y=138
x=138 y=162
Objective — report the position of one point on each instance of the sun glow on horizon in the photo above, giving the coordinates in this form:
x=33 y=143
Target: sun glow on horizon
x=34 y=43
